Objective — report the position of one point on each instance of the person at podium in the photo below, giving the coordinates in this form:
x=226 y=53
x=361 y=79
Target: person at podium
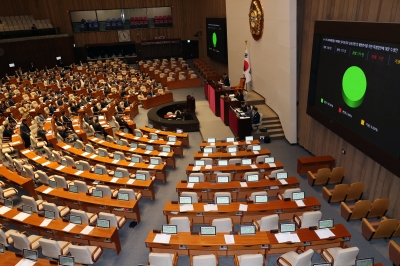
x=225 y=80
x=239 y=96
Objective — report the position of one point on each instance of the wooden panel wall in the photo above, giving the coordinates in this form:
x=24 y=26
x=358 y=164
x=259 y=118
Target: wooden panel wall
x=315 y=137
x=188 y=17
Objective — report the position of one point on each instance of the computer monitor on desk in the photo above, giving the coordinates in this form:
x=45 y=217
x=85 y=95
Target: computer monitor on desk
x=231 y=139
x=185 y=200
x=98 y=171
x=140 y=176
x=134 y=145
x=281 y=175
x=222 y=179
x=117 y=156
x=199 y=163
x=53 y=183
x=150 y=125
x=208 y=231
x=49 y=215
x=149 y=147
x=252 y=178
x=169 y=229
x=222 y=200
x=323 y=264
x=123 y=196
x=103 y=223
x=27 y=209
x=73 y=189
x=326 y=223
x=365 y=262
x=211 y=140
x=249 y=138
x=66 y=260
x=208 y=150
x=79 y=167
x=246 y=161
x=247 y=230
x=135 y=159
x=166 y=149
x=232 y=149
x=287 y=227
x=30 y=254
x=119 y=142
x=298 y=195
x=154 y=137
x=222 y=162
x=179 y=130
x=8 y=203
x=97 y=193
x=171 y=138
x=256 y=147
x=75 y=219
x=194 y=179
x=261 y=198
x=269 y=160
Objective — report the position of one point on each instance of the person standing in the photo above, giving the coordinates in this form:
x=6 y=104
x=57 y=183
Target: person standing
x=25 y=133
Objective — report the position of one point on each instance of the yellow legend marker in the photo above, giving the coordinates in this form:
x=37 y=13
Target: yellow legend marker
x=362 y=122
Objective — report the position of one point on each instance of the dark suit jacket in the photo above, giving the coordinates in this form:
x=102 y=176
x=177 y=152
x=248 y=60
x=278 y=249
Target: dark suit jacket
x=256 y=118
x=7 y=133
x=25 y=131
x=226 y=81
x=97 y=127
x=240 y=97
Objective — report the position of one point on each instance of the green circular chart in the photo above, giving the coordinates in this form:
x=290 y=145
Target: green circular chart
x=214 y=39
x=354 y=86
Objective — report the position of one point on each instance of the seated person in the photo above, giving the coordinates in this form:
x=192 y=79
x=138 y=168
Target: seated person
x=98 y=128
x=239 y=96
x=41 y=133
x=40 y=118
x=8 y=131
x=256 y=117
x=225 y=80
x=178 y=114
x=67 y=134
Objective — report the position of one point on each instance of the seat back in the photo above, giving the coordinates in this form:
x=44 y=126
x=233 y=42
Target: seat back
x=339 y=192
x=89 y=148
x=207 y=161
x=346 y=256
x=138 y=156
x=182 y=223
x=104 y=151
x=251 y=260
x=394 y=252
x=200 y=175
x=69 y=160
x=82 y=186
x=160 y=259
x=336 y=175
x=224 y=174
x=355 y=191
x=81 y=254
x=129 y=191
x=146 y=173
x=222 y=225
x=26 y=200
x=56 y=156
x=43 y=178
x=379 y=208
x=50 y=248
x=204 y=260
x=305 y=258
x=48 y=153
x=28 y=169
x=310 y=219
x=193 y=195
x=85 y=165
x=3 y=238
x=82 y=214
x=20 y=241
x=261 y=158
x=109 y=216
x=361 y=209
x=288 y=192
x=51 y=207
x=213 y=148
x=270 y=222
x=105 y=189
x=218 y=194
x=234 y=161
x=125 y=172
x=79 y=144
x=322 y=176
x=61 y=182
x=121 y=155
x=257 y=193
x=386 y=228
x=274 y=172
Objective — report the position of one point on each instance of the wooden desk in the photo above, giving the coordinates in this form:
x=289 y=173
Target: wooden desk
x=228 y=155
x=186 y=83
x=175 y=146
x=241 y=127
x=157 y=100
x=225 y=106
x=112 y=164
x=285 y=210
x=81 y=201
x=237 y=170
x=207 y=189
x=167 y=157
x=183 y=137
x=10 y=258
x=314 y=163
x=106 y=238
x=22 y=182
x=220 y=144
x=264 y=242
x=70 y=173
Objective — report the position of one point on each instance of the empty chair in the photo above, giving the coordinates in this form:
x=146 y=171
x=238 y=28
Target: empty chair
x=119 y=154
x=146 y=174
x=83 y=187
x=98 y=167
x=257 y=193
x=116 y=221
x=107 y=192
x=183 y=223
x=193 y=195
x=35 y=143
x=222 y=194
x=139 y=157
x=234 y=161
x=204 y=260
x=340 y=256
x=223 y=175
x=287 y=193
x=222 y=225
x=294 y=258
x=79 y=144
x=56 y=156
x=86 y=217
x=125 y=172
x=355 y=211
x=261 y=158
x=61 y=182
x=85 y=254
x=68 y=161
x=381 y=229
x=337 y=175
x=25 y=241
x=132 y=195
x=163 y=259
x=379 y=208
x=274 y=172
x=30 y=201
x=53 y=249
x=249 y=259
x=8 y=193
x=337 y=194
x=102 y=152
x=89 y=148
x=29 y=172
x=267 y=223
x=85 y=166
x=47 y=153
x=199 y=175
x=59 y=211
x=43 y=178
x=207 y=161
x=394 y=253
x=355 y=191
x=308 y=219
x=5 y=237
x=320 y=178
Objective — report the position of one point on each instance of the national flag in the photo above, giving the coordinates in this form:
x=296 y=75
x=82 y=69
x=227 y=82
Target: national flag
x=246 y=66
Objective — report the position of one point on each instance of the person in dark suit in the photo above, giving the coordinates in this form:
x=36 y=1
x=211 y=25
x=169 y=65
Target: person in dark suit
x=8 y=131
x=25 y=133
x=98 y=128
x=243 y=108
x=10 y=101
x=65 y=119
x=256 y=117
x=41 y=133
x=40 y=117
x=52 y=108
x=57 y=122
x=239 y=96
x=225 y=80
x=11 y=120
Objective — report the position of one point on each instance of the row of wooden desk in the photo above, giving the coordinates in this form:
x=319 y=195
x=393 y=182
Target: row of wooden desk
x=239 y=190
x=145 y=186
x=285 y=210
x=10 y=258
x=262 y=242
x=175 y=146
x=157 y=100
x=167 y=157
x=227 y=155
x=106 y=238
x=224 y=144
x=182 y=137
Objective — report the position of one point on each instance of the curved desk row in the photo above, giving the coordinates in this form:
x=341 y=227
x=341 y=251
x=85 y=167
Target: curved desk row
x=285 y=210
x=231 y=155
x=224 y=144
x=183 y=137
x=70 y=173
x=22 y=182
x=239 y=190
x=106 y=238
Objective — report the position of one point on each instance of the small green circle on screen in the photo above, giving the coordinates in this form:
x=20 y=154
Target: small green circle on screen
x=354 y=86
x=214 y=38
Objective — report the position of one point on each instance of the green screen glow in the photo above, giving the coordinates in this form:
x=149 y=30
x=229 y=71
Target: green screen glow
x=354 y=84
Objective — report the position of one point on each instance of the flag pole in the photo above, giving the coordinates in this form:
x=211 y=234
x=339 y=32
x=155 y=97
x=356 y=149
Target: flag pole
x=243 y=74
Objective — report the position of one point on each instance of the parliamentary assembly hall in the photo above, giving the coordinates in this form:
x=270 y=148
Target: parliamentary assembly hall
x=200 y=133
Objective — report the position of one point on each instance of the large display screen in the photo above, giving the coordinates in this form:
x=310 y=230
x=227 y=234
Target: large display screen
x=353 y=86
x=216 y=39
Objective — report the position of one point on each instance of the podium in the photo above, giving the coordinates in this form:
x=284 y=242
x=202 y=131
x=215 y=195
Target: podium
x=240 y=126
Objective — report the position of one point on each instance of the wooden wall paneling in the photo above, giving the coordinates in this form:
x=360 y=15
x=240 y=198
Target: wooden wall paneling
x=316 y=138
